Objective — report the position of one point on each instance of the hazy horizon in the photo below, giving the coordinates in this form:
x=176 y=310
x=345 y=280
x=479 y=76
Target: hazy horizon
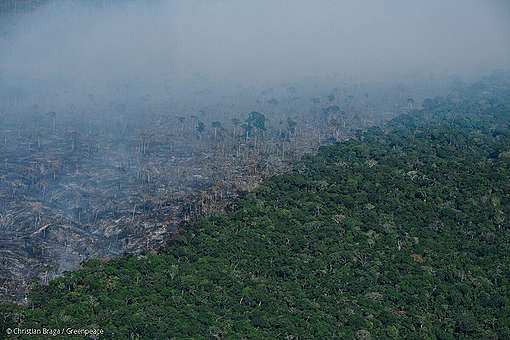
x=70 y=50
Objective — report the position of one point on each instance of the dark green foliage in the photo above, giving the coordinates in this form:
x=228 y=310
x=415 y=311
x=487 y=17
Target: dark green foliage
x=200 y=126
x=402 y=233
x=257 y=119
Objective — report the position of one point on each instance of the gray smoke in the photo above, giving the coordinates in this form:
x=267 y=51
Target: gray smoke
x=73 y=52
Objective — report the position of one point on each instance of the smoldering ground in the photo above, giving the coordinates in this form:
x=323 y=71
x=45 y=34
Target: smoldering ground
x=117 y=117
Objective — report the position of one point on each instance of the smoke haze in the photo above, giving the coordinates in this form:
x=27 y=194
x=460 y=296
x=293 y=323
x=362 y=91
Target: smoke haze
x=161 y=50
x=121 y=119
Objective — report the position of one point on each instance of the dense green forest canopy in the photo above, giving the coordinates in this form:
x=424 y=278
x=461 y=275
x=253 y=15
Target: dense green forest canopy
x=401 y=232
